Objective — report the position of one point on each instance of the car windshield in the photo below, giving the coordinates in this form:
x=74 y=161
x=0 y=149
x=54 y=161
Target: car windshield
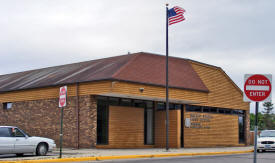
x=267 y=134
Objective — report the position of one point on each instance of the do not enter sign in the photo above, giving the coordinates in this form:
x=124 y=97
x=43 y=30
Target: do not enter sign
x=62 y=96
x=257 y=87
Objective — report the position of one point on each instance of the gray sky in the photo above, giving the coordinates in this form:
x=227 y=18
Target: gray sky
x=237 y=35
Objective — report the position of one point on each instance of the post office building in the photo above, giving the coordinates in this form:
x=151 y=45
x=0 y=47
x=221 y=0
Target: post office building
x=119 y=102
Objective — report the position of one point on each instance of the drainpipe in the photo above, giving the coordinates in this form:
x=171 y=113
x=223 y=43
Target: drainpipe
x=77 y=116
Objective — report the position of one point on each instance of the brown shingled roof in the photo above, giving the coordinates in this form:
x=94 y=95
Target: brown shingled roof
x=139 y=67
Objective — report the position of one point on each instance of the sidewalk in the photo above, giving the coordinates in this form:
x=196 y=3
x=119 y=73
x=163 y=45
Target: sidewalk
x=103 y=154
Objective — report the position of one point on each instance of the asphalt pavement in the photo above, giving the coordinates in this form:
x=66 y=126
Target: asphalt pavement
x=104 y=154
x=268 y=157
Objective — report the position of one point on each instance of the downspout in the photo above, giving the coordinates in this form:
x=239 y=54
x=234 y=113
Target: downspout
x=77 y=116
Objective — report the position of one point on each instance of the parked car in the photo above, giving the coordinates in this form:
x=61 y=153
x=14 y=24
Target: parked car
x=266 y=141
x=15 y=140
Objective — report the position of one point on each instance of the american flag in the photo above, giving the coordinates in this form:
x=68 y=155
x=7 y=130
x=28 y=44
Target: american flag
x=175 y=15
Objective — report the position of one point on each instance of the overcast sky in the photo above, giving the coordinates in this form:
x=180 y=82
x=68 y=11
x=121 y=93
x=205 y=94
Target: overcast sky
x=237 y=35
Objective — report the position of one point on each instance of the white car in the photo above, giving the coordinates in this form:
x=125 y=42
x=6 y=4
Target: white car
x=266 y=141
x=15 y=140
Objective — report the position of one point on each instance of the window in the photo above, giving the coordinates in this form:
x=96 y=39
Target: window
x=241 y=129
x=171 y=106
x=102 y=122
x=161 y=106
x=178 y=106
x=5 y=132
x=206 y=109
x=221 y=110
x=125 y=102
x=213 y=110
x=227 y=111
x=149 y=123
x=139 y=104
x=7 y=105
x=193 y=108
x=113 y=101
x=18 y=133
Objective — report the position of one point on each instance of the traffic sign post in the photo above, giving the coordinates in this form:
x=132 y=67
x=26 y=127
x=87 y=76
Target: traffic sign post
x=257 y=88
x=62 y=104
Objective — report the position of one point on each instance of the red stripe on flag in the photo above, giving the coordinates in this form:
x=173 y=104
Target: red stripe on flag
x=177 y=18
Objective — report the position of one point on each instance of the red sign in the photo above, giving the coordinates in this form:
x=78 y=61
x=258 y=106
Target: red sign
x=257 y=88
x=62 y=96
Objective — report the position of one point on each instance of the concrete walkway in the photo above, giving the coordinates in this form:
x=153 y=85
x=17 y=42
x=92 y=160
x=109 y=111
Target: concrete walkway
x=100 y=154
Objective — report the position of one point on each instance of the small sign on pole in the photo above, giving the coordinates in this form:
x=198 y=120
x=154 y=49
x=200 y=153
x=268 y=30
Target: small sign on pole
x=63 y=96
x=257 y=88
x=62 y=104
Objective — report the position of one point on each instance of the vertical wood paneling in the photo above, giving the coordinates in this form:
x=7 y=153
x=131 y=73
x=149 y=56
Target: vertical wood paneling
x=126 y=127
x=174 y=129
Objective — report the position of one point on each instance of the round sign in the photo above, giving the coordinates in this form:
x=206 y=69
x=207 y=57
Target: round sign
x=257 y=87
x=62 y=97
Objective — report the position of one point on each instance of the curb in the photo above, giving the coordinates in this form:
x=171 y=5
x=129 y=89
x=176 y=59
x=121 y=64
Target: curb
x=99 y=158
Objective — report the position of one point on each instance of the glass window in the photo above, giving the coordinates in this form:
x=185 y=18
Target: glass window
x=149 y=126
x=178 y=106
x=102 y=98
x=221 y=110
x=241 y=129
x=7 y=105
x=5 y=132
x=139 y=104
x=102 y=122
x=235 y=112
x=125 y=102
x=206 y=109
x=171 y=106
x=193 y=108
x=149 y=105
x=113 y=101
x=18 y=133
x=213 y=110
x=161 y=106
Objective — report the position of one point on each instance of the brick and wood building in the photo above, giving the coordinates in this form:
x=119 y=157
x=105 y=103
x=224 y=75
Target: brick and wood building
x=119 y=102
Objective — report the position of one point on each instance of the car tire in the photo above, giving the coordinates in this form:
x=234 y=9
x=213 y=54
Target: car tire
x=19 y=154
x=41 y=149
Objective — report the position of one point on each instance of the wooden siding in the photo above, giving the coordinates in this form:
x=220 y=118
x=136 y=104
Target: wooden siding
x=174 y=129
x=157 y=91
x=220 y=130
x=223 y=92
x=126 y=128
x=53 y=92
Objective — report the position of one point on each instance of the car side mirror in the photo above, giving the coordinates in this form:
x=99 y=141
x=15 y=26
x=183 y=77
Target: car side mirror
x=26 y=136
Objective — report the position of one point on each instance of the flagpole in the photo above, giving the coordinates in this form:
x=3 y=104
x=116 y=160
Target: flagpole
x=167 y=93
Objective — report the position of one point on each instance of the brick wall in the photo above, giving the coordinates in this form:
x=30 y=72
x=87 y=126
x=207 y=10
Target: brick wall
x=42 y=118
